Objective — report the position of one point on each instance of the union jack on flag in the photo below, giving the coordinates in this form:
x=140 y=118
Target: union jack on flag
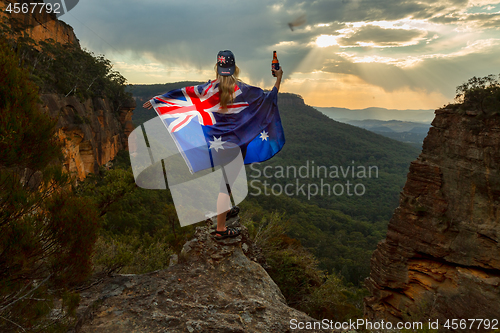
x=186 y=103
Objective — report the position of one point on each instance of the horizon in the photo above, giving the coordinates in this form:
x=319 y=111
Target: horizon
x=284 y=92
x=388 y=116
x=349 y=54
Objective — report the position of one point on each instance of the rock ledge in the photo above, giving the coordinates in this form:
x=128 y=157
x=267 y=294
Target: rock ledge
x=216 y=286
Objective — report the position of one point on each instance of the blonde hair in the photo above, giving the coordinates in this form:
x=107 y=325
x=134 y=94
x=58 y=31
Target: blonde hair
x=226 y=88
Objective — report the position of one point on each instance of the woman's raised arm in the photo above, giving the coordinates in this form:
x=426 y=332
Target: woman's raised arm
x=279 y=74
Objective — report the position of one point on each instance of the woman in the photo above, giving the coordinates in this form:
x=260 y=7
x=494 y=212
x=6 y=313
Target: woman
x=228 y=86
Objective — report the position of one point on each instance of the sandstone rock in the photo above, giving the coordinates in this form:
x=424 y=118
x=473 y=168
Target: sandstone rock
x=441 y=256
x=215 y=287
x=91 y=131
x=43 y=25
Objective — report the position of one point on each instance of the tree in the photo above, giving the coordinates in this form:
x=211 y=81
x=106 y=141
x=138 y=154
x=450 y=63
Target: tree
x=46 y=233
x=480 y=93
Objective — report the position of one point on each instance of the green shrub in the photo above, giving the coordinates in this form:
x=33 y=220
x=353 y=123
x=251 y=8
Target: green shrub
x=481 y=94
x=46 y=233
x=132 y=253
x=335 y=301
x=295 y=271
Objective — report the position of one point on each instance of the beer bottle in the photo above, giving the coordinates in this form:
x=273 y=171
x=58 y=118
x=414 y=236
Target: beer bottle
x=275 y=63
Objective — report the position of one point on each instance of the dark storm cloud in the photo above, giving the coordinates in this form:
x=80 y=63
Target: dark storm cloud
x=190 y=33
x=186 y=33
x=322 y=11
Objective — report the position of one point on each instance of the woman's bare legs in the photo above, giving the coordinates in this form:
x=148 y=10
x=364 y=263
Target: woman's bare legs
x=230 y=172
x=223 y=206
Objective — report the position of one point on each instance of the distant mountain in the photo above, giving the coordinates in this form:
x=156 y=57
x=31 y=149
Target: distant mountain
x=414 y=139
x=409 y=132
x=422 y=116
x=423 y=130
x=393 y=125
x=383 y=129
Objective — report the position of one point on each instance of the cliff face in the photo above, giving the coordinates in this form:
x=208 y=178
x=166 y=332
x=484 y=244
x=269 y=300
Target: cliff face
x=92 y=132
x=215 y=287
x=441 y=256
x=43 y=25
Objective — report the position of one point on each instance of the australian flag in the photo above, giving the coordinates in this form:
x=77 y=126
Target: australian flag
x=252 y=123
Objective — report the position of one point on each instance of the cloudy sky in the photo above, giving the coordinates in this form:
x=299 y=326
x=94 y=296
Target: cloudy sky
x=401 y=54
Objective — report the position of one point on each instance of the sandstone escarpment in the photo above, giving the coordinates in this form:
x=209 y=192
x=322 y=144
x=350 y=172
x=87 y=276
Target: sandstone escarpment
x=92 y=131
x=215 y=287
x=40 y=26
x=441 y=256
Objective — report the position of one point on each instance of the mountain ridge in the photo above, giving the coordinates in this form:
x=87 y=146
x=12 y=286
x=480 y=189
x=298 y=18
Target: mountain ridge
x=420 y=115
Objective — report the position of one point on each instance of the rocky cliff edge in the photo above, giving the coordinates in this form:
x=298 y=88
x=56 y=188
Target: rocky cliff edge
x=441 y=256
x=216 y=286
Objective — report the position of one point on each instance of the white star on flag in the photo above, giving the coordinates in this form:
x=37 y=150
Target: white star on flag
x=216 y=144
x=264 y=135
